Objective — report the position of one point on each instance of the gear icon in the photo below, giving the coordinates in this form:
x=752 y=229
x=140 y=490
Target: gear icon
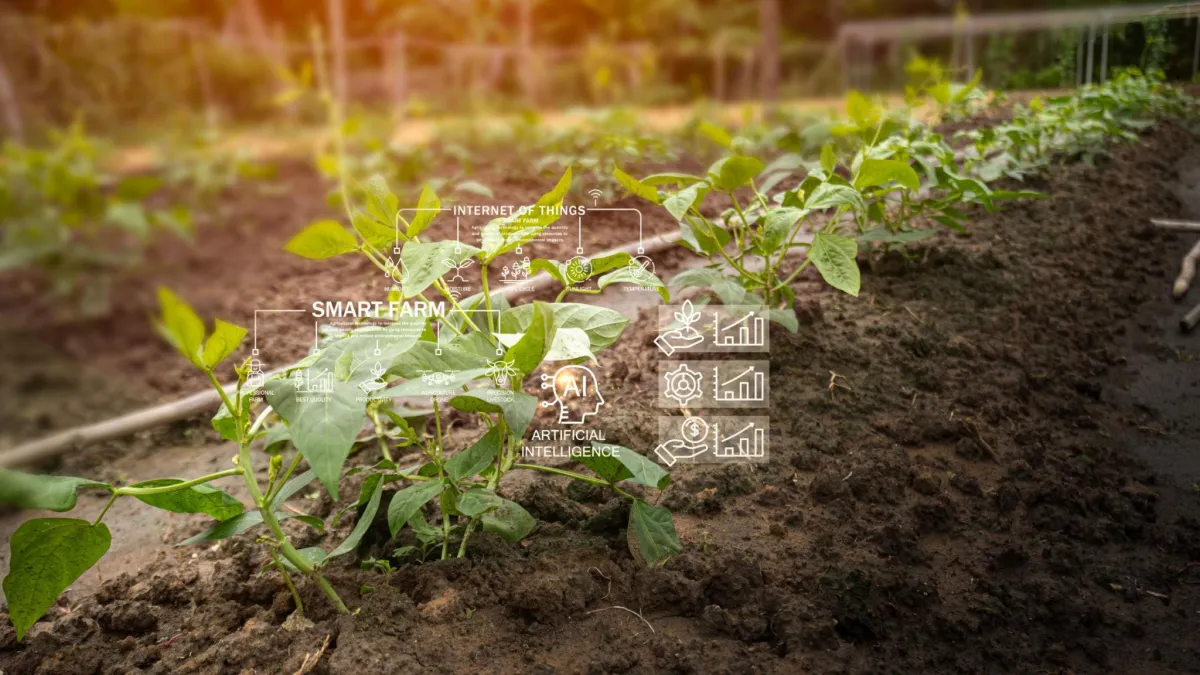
x=684 y=385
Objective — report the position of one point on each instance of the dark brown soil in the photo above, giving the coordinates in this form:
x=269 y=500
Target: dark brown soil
x=972 y=501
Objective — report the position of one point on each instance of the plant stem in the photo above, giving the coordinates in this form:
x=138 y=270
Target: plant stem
x=287 y=579
x=576 y=476
x=100 y=517
x=462 y=548
x=383 y=446
x=147 y=491
x=487 y=296
x=283 y=481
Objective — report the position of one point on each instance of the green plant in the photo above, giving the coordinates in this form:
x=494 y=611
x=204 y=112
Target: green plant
x=61 y=212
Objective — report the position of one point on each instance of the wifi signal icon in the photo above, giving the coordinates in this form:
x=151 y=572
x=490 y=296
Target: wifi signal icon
x=595 y=195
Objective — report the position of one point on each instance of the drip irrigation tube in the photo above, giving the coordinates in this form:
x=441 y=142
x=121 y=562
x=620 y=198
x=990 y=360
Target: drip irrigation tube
x=57 y=444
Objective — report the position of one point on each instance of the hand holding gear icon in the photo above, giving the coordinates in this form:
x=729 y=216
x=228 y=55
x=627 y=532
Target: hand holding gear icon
x=684 y=385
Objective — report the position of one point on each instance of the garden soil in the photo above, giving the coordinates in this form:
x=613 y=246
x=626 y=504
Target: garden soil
x=999 y=482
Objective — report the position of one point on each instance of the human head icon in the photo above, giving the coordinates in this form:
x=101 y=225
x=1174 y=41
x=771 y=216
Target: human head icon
x=575 y=393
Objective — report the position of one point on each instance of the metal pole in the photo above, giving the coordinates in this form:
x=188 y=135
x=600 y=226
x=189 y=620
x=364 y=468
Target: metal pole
x=1079 y=59
x=1196 y=52
x=1091 y=44
x=1104 y=55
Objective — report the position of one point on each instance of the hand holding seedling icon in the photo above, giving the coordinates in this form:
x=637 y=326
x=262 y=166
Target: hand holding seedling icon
x=684 y=337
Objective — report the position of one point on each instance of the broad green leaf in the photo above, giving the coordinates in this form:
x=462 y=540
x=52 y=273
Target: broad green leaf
x=636 y=187
x=570 y=344
x=476 y=458
x=474 y=502
x=637 y=276
x=836 y=259
x=638 y=467
x=777 y=227
x=830 y=195
x=381 y=236
x=52 y=493
x=506 y=234
x=508 y=520
x=428 y=205
x=786 y=318
x=450 y=383
x=715 y=133
x=47 y=555
x=137 y=188
x=874 y=172
x=373 y=486
x=424 y=358
x=323 y=239
x=180 y=326
x=828 y=158
x=861 y=111
x=671 y=179
x=474 y=187
x=602 y=325
x=655 y=531
x=409 y=501
x=224 y=341
x=239 y=524
x=736 y=171
x=313 y=555
x=518 y=407
x=424 y=262
x=679 y=203
x=381 y=204
x=612 y=261
x=195 y=499
x=129 y=216
x=290 y=488
x=551 y=267
x=527 y=354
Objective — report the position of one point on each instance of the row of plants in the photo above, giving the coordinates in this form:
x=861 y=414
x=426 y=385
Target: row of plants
x=883 y=179
x=66 y=212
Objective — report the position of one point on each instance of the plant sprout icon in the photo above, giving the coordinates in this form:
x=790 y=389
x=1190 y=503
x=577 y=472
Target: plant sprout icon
x=684 y=337
x=458 y=267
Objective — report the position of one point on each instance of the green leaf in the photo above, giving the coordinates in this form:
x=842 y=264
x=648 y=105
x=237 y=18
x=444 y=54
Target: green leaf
x=671 y=178
x=679 y=203
x=828 y=158
x=381 y=236
x=196 y=499
x=570 y=344
x=313 y=555
x=374 y=487
x=409 y=501
x=517 y=407
x=875 y=172
x=137 y=188
x=636 y=187
x=476 y=458
x=637 y=276
x=736 y=172
x=531 y=350
x=654 y=530
x=226 y=528
x=621 y=463
x=836 y=259
x=52 y=493
x=861 y=111
x=786 y=318
x=381 y=204
x=180 y=326
x=474 y=187
x=428 y=203
x=424 y=262
x=224 y=341
x=47 y=555
x=777 y=226
x=551 y=267
x=715 y=134
x=830 y=195
x=506 y=234
x=323 y=239
x=508 y=520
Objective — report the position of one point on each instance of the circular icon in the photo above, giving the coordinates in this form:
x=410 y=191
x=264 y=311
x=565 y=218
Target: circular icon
x=642 y=267
x=579 y=269
x=683 y=385
x=694 y=430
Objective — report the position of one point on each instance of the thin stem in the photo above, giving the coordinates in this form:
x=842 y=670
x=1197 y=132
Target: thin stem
x=270 y=498
x=147 y=491
x=487 y=296
x=576 y=476
x=379 y=434
x=107 y=506
x=287 y=580
x=462 y=548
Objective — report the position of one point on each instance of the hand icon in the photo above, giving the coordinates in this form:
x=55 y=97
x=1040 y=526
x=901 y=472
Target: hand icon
x=680 y=338
x=676 y=449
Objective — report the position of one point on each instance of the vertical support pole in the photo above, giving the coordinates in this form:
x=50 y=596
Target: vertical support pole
x=768 y=34
x=337 y=44
x=1196 y=52
x=8 y=104
x=528 y=77
x=1079 y=59
x=1104 y=55
x=1091 y=42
